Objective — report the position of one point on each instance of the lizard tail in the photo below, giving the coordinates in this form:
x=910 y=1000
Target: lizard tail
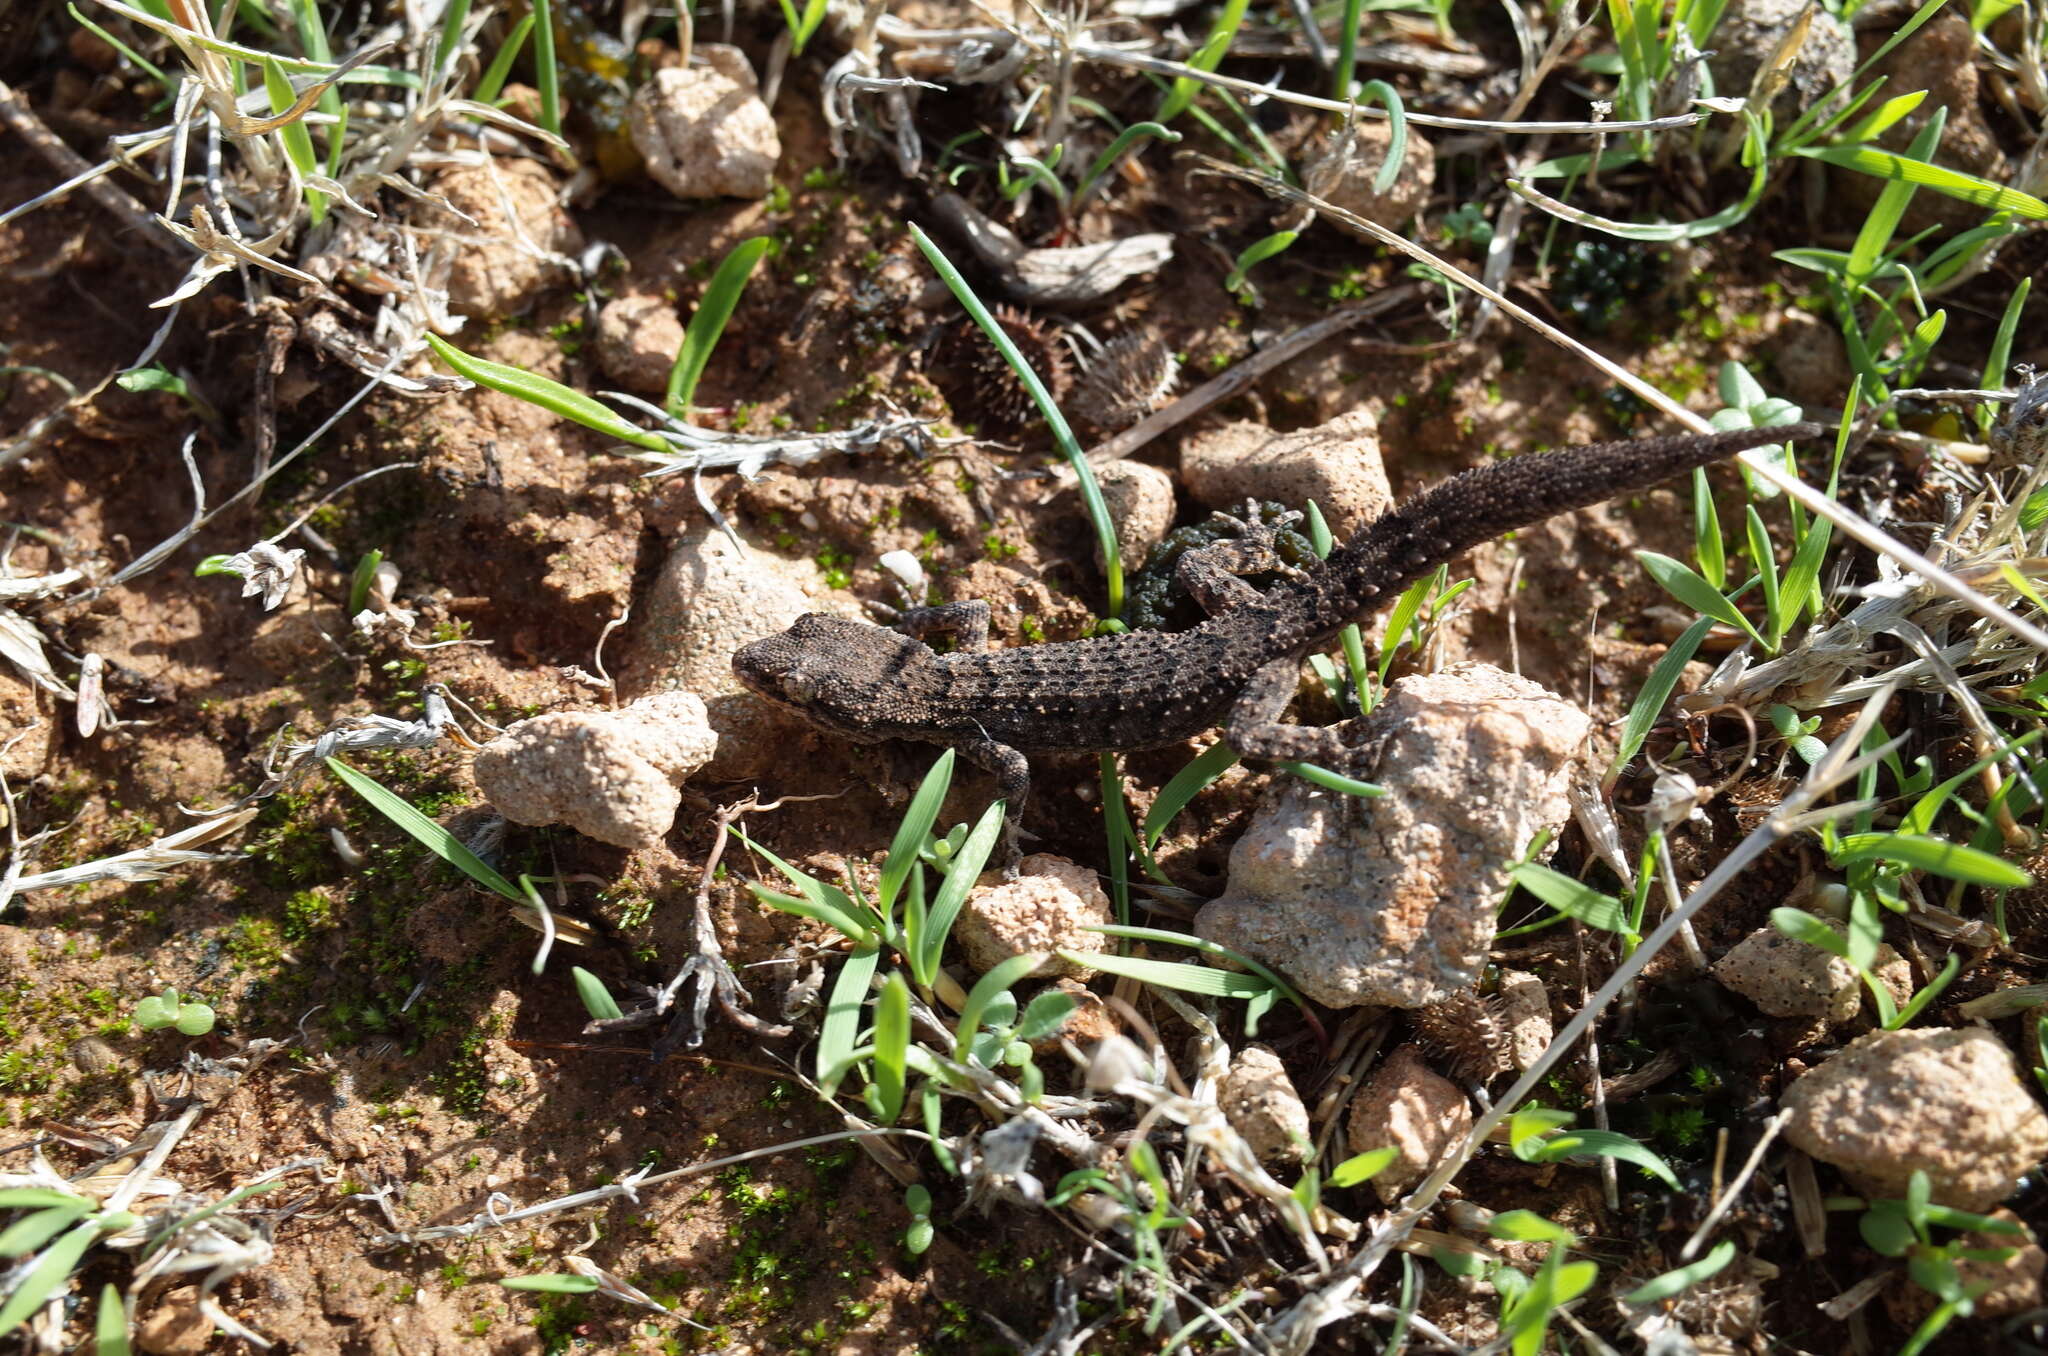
x=1479 y=505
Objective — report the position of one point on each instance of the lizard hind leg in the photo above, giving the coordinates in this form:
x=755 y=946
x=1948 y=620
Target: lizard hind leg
x=1013 y=782
x=1255 y=730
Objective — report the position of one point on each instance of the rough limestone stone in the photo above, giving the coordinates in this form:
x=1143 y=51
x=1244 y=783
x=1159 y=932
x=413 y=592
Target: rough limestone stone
x=1947 y=1101
x=610 y=774
x=520 y=241
x=704 y=132
x=1338 y=465
x=706 y=603
x=1785 y=978
x=1341 y=170
x=1140 y=500
x=1045 y=909
x=1409 y=1107
x=1525 y=1011
x=1259 y=1101
x=1391 y=901
x=1750 y=31
x=637 y=339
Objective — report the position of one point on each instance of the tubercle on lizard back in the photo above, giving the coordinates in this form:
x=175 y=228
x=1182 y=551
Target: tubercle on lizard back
x=1479 y=505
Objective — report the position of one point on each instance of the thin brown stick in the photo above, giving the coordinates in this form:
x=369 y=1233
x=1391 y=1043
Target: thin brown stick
x=1228 y=384
x=23 y=122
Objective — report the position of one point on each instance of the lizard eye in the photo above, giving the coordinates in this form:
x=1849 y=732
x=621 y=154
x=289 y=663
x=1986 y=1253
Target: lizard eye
x=799 y=687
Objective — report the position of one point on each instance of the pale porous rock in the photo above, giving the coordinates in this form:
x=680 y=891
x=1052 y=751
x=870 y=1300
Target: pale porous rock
x=1945 y=1100
x=1091 y=1020
x=1940 y=58
x=1410 y=1108
x=173 y=1326
x=521 y=242
x=1748 y=35
x=1140 y=501
x=704 y=131
x=1785 y=978
x=1338 y=465
x=706 y=603
x=1391 y=901
x=1259 y=1101
x=610 y=774
x=1045 y=909
x=27 y=731
x=637 y=339
x=1341 y=170
x=1525 y=1012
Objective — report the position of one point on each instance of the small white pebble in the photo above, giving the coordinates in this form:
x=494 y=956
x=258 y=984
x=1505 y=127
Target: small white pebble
x=350 y=857
x=904 y=566
x=809 y=520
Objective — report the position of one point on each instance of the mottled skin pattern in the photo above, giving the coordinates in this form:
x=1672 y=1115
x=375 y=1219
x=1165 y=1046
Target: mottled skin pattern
x=1239 y=668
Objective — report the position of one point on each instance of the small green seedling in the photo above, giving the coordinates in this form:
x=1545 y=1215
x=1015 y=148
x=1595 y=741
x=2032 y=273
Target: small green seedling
x=918 y=1237
x=169 y=1009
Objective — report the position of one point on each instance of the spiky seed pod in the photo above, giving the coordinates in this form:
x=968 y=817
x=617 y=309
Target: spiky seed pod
x=980 y=385
x=1132 y=376
x=1466 y=1033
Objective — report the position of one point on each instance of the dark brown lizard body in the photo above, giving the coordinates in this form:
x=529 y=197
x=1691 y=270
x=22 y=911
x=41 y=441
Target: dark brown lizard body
x=1239 y=668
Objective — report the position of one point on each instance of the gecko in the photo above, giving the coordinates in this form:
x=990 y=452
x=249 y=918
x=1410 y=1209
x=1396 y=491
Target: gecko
x=1238 y=669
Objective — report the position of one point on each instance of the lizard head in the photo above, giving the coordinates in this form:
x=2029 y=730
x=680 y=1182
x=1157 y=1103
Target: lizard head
x=842 y=675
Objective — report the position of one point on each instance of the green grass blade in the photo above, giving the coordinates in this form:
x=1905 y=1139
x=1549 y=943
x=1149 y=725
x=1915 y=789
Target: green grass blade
x=709 y=322
x=952 y=896
x=359 y=582
x=556 y=1283
x=52 y=1270
x=1657 y=689
x=1117 y=147
x=1766 y=562
x=1572 y=898
x=1707 y=545
x=1332 y=781
x=546 y=75
x=1206 y=58
x=1257 y=253
x=892 y=1047
x=1209 y=948
x=1937 y=856
x=31 y=1231
x=1184 y=977
x=432 y=836
x=493 y=80
x=2000 y=354
x=1380 y=92
x=1062 y=435
x=597 y=999
x=841 y=1026
x=453 y=19
x=1919 y=1002
x=1682 y=583
x=1183 y=787
x=1674 y=1283
x=1907 y=169
x=110 y=1324
x=912 y=831
x=297 y=141
x=547 y=393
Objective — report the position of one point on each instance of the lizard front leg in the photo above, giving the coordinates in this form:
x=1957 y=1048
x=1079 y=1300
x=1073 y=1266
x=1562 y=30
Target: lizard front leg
x=1210 y=574
x=1013 y=782
x=1255 y=730
x=966 y=621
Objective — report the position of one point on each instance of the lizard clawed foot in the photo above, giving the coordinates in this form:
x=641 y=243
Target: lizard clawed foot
x=1256 y=548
